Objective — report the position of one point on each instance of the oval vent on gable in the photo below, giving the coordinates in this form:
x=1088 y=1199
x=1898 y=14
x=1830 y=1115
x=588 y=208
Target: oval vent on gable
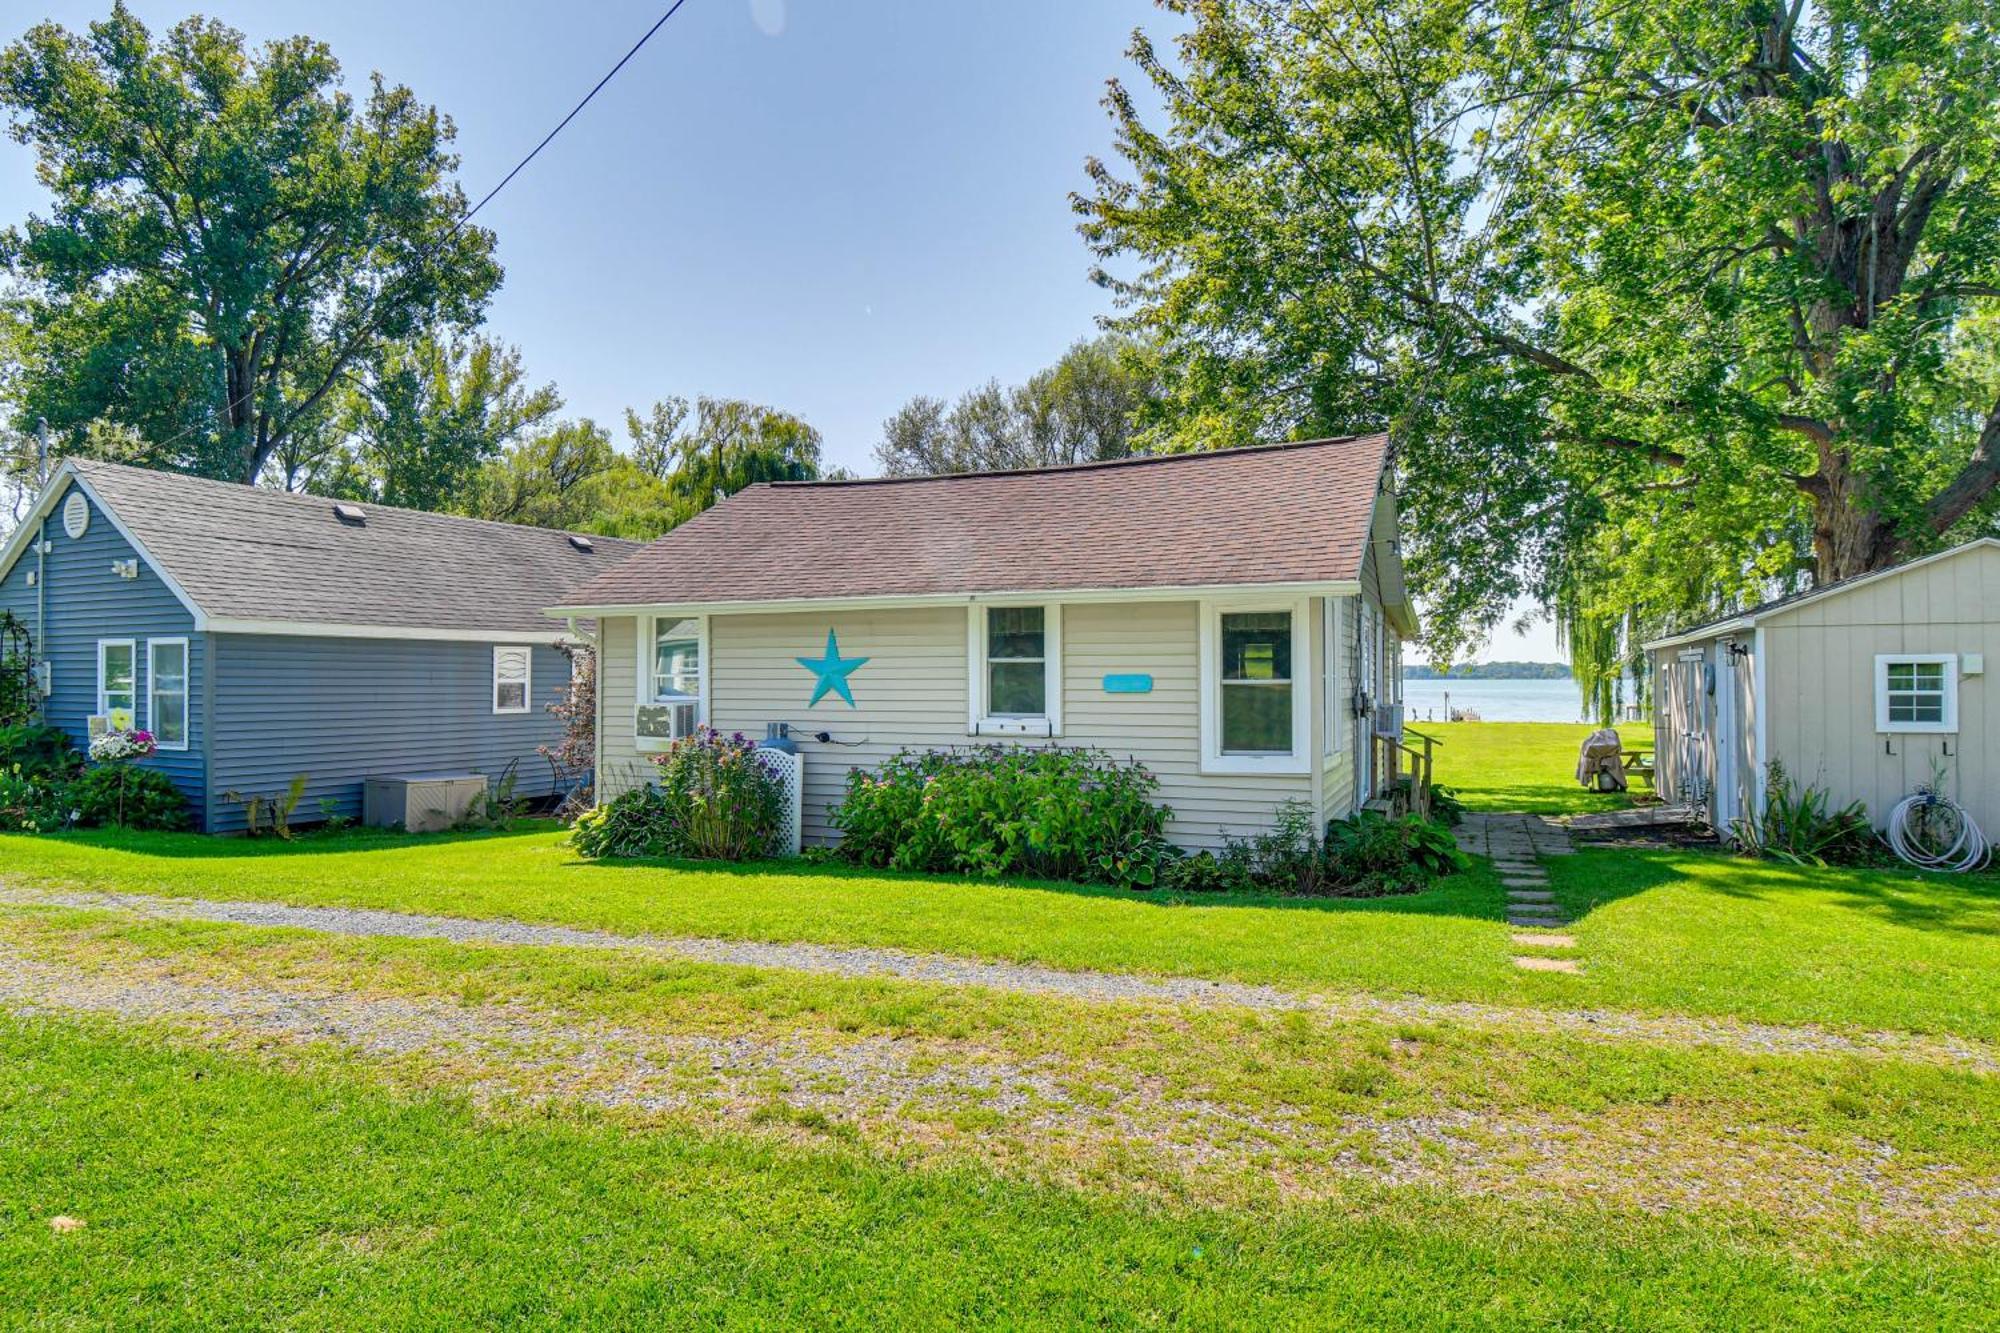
x=76 y=515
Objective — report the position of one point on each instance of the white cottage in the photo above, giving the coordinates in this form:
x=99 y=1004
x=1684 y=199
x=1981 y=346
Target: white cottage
x=1233 y=619
x=1868 y=688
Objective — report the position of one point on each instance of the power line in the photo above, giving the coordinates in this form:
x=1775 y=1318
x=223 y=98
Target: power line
x=661 y=23
x=231 y=405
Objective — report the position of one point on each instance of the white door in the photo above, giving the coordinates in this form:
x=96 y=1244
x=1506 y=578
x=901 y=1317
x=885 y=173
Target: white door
x=1692 y=748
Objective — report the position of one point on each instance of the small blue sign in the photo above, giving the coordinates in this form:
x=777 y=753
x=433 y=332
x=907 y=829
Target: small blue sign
x=1130 y=684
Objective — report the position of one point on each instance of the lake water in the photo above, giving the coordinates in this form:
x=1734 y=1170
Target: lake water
x=1494 y=700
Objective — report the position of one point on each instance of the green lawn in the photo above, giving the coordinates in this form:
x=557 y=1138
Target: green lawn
x=1668 y=932
x=1524 y=765
x=217 y=1191
x=1198 y=1167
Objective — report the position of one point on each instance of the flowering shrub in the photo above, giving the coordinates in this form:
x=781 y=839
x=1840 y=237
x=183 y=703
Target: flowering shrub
x=1052 y=813
x=118 y=747
x=713 y=800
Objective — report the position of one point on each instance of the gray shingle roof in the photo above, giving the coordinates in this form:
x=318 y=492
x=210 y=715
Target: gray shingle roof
x=1271 y=514
x=248 y=553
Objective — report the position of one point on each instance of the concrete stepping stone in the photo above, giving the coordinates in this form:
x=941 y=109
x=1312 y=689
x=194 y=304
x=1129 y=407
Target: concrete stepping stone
x=1534 y=920
x=1521 y=896
x=1525 y=881
x=1543 y=939
x=1528 y=964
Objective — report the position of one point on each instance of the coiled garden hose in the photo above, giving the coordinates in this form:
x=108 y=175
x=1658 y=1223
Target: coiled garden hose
x=1933 y=813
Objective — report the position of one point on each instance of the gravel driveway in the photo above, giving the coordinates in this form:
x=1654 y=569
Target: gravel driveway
x=1035 y=979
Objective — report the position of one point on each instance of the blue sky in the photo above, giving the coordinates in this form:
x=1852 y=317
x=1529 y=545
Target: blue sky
x=823 y=205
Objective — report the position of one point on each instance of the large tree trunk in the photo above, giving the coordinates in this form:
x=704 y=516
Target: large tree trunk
x=1850 y=536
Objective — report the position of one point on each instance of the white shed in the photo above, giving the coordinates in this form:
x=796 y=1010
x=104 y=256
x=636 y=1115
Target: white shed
x=1868 y=688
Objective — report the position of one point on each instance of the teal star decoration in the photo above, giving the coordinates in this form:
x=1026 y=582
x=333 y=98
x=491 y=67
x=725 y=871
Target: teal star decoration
x=832 y=670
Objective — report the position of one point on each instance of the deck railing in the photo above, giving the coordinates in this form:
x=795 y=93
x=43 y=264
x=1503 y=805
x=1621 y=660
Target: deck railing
x=1403 y=762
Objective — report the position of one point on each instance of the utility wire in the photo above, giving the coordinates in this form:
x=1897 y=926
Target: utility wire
x=547 y=140
x=467 y=216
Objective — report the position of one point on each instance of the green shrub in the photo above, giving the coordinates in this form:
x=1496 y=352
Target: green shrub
x=1370 y=855
x=1796 y=826
x=126 y=796
x=636 y=823
x=1286 y=858
x=1047 y=812
x=39 y=752
x=1446 y=806
x=713 y=800
x=1205 y=872
x=31 y=803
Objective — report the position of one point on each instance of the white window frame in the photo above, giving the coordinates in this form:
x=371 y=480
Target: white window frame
x=103 y=704
x=153 y=693
x=979 y=721
x=1883 y=661
x=1299 y=760
x=527 y=679
x=642 y=684
x=1333 y=624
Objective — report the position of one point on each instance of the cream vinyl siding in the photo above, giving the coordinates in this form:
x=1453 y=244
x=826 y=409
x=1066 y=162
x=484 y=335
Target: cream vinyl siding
x=1820 y=685
x=620 y=764
x=913 y=691
x=1161 y=729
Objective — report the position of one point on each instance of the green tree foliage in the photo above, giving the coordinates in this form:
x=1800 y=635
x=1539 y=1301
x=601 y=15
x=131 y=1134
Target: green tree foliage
x=419 y=423
x=556 y=478
x=1667 y=305
x=232 y=235
x=716 y=447
x=1081 y=409
x=682 y=458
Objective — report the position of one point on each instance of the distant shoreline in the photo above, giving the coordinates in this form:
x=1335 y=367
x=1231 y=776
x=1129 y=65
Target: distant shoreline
x=1490 y=671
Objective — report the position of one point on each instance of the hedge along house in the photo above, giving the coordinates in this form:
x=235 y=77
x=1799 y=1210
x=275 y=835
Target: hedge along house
x=260 y=634
x=1231 y=619
x=1868 y=688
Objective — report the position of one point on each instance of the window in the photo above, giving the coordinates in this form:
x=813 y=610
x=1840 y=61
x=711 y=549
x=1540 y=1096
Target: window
x=513 y=678
x=1255 y=708
x=117 y=691
x=671 y=675
x=1016 y=670
x=1916 y=692
x=167 y=692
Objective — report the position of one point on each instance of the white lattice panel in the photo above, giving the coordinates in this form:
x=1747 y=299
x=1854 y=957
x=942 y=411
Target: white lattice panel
x=790 y=770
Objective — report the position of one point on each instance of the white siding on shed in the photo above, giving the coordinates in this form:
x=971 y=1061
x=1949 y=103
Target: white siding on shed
x=1820 y=685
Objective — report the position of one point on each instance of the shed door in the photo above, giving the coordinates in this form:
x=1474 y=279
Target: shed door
x=1693 y=754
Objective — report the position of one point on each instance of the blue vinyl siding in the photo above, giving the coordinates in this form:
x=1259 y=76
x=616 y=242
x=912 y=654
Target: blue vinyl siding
x=86 y=602
x=340 y=710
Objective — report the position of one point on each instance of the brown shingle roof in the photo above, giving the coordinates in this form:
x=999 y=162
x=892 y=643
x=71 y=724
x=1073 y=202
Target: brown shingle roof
x=1289 y=513
x=251 y=553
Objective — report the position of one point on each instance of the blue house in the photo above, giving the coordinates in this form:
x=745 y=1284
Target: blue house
x=260 y=634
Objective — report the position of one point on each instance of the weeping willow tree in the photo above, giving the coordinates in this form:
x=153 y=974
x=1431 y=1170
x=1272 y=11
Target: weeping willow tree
x=1595 y=642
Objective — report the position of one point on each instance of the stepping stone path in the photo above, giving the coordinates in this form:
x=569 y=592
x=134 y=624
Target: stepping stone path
x=1517 y=844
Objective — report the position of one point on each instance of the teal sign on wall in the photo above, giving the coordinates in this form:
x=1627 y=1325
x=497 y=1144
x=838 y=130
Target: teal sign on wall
x=1128 y=684
x=832 y=671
